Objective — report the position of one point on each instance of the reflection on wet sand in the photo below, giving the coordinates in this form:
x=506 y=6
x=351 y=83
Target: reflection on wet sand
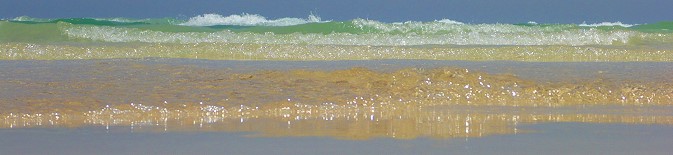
x=339 y=121
x=356 y=103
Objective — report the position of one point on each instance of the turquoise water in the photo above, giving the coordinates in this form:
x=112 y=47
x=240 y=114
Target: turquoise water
x=217 y=28
x=251 y=36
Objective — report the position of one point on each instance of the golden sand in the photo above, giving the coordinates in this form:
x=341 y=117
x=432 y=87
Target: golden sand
x=355 y=103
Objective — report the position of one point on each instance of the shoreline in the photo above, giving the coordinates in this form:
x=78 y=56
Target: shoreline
x=190 y=93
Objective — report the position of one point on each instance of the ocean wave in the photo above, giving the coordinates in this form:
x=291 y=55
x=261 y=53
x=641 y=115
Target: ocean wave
x=485 y=36
x=48 y=20
x=30 y=19
x=247 y=20
x=314 y=31
x=606 y=24
x=449 y=21
x=446 y=26
x=98 y=21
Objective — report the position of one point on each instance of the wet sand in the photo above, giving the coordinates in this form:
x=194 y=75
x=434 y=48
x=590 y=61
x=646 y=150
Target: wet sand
x=378 y=102
x=547 y=138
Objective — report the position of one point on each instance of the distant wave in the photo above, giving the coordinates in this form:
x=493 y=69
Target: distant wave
x=45 y=20
x=448 y=21
x=30 y=19
x=606 y=24
x=253 y=28
x=247 y=20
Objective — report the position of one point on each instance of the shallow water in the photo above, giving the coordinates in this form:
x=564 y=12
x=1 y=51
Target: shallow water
x=352 y=100
x=546 y=138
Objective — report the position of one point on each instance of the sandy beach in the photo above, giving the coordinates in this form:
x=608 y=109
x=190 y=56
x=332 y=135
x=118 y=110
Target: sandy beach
x=446 y=104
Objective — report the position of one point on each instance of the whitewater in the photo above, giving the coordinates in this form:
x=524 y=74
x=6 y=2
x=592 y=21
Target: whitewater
x=254 y=37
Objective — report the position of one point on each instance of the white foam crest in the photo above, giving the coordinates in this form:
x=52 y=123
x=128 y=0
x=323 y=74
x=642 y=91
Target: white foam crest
x=29 y=19
x=247 y=20
x=452 y=27
x=121 y=20
x=606 y=24
x=118 y=19
x=449 y=21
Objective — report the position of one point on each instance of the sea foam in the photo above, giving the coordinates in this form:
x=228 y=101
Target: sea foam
x=247 y=20
x=606 y=24
x=29 y=19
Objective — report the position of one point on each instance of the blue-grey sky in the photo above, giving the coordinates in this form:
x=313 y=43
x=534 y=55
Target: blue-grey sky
x=470 y=11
